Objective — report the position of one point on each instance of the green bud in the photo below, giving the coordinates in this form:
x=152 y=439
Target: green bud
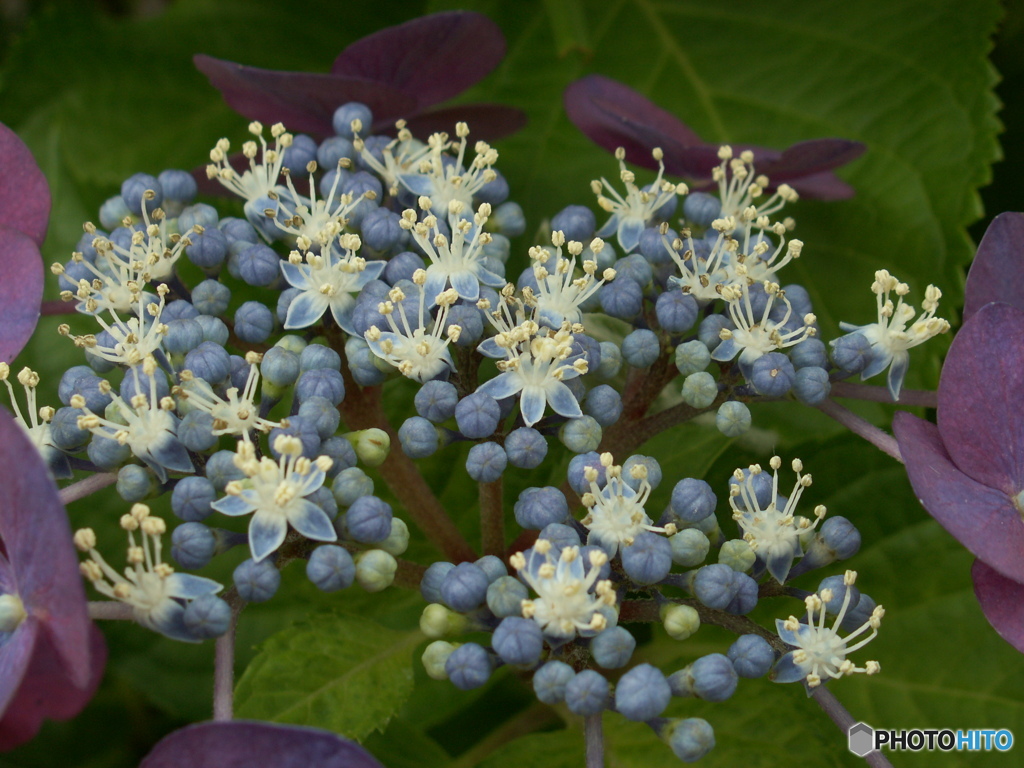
x=12 y=612
x=398 y=540
x=435 y=656
x=680 y=621
x=438 y=621
x=737 y=554
x=700 y=389
x=292 y=343
x=689 y=547
x=372 y=445
x=375 y=570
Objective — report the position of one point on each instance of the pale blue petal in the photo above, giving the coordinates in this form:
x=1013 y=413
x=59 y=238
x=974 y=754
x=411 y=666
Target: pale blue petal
x=266 y=534
x=296 y=277
x=169 y=620
x=310 y=482
x=898 y=371
x=787 y=671
x=879 y=362
x=609 y=227
x=306 y=308
x=779 y=564
x=492 y=279
x=311 y=521
x=344 y=317
x=629 y=234
x=233 y=506
x=562 y=401
x=788 y=637
x=501 y=386
x=532 y=404
x=189 y=587
x=726 y=350
x=170 y=453
x=466 y=284
x=370 y=272
x=417 y=184
x=489 y=348
x=342 y=305
x=437 y=281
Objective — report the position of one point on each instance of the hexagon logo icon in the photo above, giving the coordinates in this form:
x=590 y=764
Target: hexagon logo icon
x=861 y=738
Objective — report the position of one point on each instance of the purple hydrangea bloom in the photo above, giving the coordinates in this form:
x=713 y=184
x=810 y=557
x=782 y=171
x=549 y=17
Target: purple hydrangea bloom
x=24 y=213
x=399 y=72
x=613 y=115
x=51 y=656
x=240 y=743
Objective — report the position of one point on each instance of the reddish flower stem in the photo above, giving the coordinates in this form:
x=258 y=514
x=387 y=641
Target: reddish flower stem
x=86 y=487
x=925 y=398
x=882 y=440
x=492 y=518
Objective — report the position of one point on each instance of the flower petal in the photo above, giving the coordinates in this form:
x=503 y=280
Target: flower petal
x=234 y=506
x=24 y=193
x=21 y=288
x=466 y=284
x=311 y=521
x=787 y=671
x=306 y=309
x=188 y=587
x=427 y=57
x=982 y=519
x=238 y=743
x=532 y=404
x=562 y=400
x=489 y=122
x=295 y=275
x=303 y=101
x=266 y=534
x=979 y=414
x=997 y=273
x=503 y=385
x=1002 y=601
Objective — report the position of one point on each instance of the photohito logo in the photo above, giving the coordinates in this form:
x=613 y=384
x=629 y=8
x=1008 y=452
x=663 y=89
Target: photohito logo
x=862 y=739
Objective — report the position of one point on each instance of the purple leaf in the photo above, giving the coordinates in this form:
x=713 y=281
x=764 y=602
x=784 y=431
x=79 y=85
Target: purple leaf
x=24 y=193
x=613 y=115
x=982 y=519
x=997 y=273
x=303 y=101
x=242 y=744
x=432 y=58
x=21 y=289
x=1002 y=601
x=488 y=122
x=979 y=413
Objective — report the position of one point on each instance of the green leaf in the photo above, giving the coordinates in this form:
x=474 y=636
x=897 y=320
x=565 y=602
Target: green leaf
x=339 y=672
x=909 y=80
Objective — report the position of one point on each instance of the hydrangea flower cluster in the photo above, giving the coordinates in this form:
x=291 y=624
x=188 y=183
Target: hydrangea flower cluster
x=236 y=364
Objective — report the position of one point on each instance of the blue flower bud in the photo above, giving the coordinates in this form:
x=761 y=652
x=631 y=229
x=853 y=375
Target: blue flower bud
x=578 y=466
x=193 y=545
x=745 y=599
x=113 y=212
x=206 y=617
x=134 y=189
x=550 y=681
x=560 y=535
x=214 y=330
x=221 y=470
x=477 y=415
x=613 y=648
x=351 y=484
x=486 y=462
x=576 y=222
x=258 y=265
x=470 y=320
x=622 y=298
x=436 y=400
x=182 y=336
x=676 y=311
x=195 y=431
x=333 y=149
x=211 y=298
x=851 y=352
x=199 y=214
x=700 y=390
x=692 y=500
x=179 y=188
x=402 y=266
x=652 y=246
x=525 y=448
x=254 y=322
x=733 y=418
x=859 y=614
x=634 y=267
x=320 y=382
x=358 y=185
x=330 y=568
x=179 y=309
x=238 y=231
x=518 y=641
x=256 y=582
x=107 y=454
x=280 y=366
x=586 y=693
x=430 y=585
x=418 y=437
x=611 y=360
x=368 y=520
x=508 y=219
x=210 y=362
x=642 y=693
x=751 y=656
x=641 y=348
x=505 y=596
x=810 y=352
x=772 y=374
x=69 y=384
x=380 y=229
x=464 y=587
x=341 y=453
x=690 y=739
x=192 y=497
x=322 y=414
x=539 y=507
x=835 y=583
x=468 y=667
x=836 y=539
x=301 y=153
x=689 y=547
x=315 y=356
x=346 y=113
x=135 y=483
x=64 y=430
x=811 y=385
x=604 y=404
x=493 y=566
x=208 y=250
x=649 y=463
x=701 y=208
x=709 y=329
x=648 y=559
x=712 y=678
x=715 y=586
